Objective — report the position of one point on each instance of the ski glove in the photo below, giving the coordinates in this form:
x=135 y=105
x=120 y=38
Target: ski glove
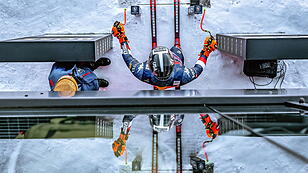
x=119 y=145
x=211 y=128
x=209 y=46
x=119 y=32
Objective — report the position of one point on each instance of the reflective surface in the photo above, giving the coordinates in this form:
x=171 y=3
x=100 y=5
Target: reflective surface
x=38 y=143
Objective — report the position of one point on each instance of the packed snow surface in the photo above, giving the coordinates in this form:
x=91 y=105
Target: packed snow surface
x=27 y=18
x=21 y=18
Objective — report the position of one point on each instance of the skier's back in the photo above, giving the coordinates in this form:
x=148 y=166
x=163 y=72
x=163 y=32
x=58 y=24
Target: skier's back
x=164 y=68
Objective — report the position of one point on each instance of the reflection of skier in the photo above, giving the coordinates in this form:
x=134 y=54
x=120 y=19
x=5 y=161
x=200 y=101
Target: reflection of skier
x=164 y=68
x=160 y=123
x=76 y=76
x=211 y=128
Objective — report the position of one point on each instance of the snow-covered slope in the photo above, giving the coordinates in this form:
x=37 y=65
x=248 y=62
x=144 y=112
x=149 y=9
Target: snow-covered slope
x=25 y=18
x=229 y=153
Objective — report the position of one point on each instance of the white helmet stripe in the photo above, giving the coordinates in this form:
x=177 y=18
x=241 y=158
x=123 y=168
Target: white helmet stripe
x=161 y=62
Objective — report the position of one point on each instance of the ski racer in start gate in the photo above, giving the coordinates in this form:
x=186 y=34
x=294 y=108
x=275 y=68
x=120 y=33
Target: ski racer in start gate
x=164 y=68
x=159 y=124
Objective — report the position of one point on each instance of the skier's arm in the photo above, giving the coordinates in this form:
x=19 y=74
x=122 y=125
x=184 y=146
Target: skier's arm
x=133 y=64
x=127 y=123
x=119 y=145
x=191 y=74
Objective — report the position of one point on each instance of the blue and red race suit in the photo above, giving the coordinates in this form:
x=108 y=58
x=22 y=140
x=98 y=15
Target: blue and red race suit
x=181 y=75
x=84 y=76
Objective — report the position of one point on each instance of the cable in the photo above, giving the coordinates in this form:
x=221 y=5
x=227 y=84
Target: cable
x=124 y=23
x=252 y=80
x=205 y=153
x=285 y=71
x=201 y=24
x=282 y=73
x=286 y=149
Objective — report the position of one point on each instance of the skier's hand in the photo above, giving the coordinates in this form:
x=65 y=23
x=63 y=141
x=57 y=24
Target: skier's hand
x=209 y=46
x=118 y=31
x=119 y=147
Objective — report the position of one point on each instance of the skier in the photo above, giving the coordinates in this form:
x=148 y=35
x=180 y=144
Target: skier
x=164 y=68
x=160 y=123
x=71 y=77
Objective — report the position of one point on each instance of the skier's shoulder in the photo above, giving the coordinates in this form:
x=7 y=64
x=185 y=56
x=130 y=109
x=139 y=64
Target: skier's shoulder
x=147 y=73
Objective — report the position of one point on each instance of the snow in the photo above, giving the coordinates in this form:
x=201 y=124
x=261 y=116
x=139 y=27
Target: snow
x=26 y=18
x=231 y=154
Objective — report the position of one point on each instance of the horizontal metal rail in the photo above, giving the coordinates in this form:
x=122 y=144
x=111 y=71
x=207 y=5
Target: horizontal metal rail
x=94 y=103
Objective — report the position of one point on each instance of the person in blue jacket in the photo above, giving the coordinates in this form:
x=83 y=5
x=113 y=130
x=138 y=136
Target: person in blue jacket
x=164 y=68
x=73 y=77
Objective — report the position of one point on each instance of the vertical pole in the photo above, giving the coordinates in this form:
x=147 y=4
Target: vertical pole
x=178 y=149
x=155 y=152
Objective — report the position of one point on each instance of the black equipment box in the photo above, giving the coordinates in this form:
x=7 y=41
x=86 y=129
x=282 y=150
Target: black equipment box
x=198 y=9
x=200 y=166
x=264 y=46
x=85 y=47
x=261 y=68
x=135 y=10
x=194 y=2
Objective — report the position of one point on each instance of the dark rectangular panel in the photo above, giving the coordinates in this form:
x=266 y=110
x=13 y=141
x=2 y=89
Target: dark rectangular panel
x=264 y=46
x=56 y=48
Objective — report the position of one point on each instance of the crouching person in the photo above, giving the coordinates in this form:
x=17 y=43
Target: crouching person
x=72 y=77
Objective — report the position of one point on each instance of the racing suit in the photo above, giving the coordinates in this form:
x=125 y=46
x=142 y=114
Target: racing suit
x=84 y=76
x=181 y=75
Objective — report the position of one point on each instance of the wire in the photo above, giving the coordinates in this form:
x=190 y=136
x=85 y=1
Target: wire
x=124 y=23
x=252 y=80
x=282 y=72
x=281 y=76
x=285 y=71
x=205 y=153
x=201 y=24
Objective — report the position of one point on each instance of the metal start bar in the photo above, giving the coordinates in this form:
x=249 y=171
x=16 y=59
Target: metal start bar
x=148 y=101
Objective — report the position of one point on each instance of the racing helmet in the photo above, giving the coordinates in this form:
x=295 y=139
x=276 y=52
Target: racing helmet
x=161 y=62
x=161 y=122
